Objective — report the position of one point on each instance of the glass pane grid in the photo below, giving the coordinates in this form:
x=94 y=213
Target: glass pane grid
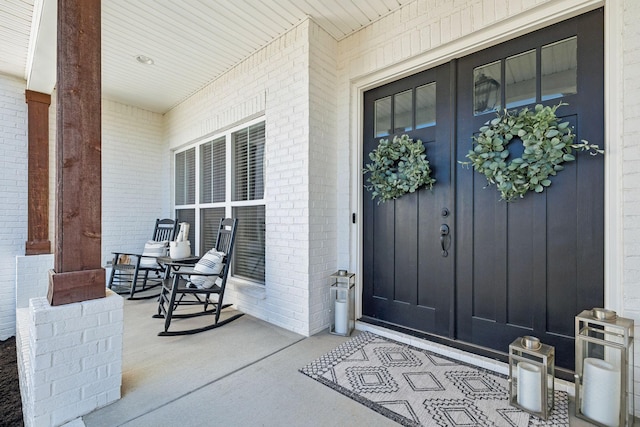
x=558 y=77
x=247 y=175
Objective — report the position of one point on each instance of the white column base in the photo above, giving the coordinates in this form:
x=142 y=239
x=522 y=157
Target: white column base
x=69 y=358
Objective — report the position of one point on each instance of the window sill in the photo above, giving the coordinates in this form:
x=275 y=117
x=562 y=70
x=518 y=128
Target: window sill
x=250 y=289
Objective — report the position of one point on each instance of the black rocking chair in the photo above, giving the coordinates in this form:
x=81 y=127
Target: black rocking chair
x=196 y=285
x=130 y=272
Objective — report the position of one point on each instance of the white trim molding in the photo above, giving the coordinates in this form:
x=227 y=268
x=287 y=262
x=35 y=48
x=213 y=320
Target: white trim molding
x=614 y=115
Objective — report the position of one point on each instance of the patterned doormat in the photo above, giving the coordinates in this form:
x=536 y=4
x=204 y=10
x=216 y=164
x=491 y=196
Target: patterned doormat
x=416 y=387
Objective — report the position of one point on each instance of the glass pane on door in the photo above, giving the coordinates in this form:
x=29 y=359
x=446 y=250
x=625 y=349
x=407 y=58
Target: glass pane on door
x=559 y=63
x=426 y=106
x=383 y=117
x=403 y=109
x=486 y=88
x=520 y=77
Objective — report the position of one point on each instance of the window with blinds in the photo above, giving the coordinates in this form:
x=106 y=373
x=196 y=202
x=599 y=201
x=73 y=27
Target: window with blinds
x=249 y=246
x=212 y=171
x=224 y=177
x=210 y=220
x=188 y=216
x=248 y=159
x=186 y=177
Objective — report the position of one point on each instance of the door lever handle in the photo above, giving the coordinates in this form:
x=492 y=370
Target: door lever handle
x=444 y=242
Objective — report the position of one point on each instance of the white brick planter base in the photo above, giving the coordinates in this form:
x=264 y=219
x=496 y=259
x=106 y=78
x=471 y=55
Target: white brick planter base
x=69 y=358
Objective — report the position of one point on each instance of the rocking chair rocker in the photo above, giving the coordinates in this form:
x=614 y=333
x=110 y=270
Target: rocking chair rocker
x=200 y=284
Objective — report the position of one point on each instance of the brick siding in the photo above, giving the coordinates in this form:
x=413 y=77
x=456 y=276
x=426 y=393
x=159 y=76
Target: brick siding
x=70 y=358
x=13 y=194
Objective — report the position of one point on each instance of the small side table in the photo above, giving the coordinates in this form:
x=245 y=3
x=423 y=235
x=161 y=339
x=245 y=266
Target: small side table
x=175 y=264
x=172 y=264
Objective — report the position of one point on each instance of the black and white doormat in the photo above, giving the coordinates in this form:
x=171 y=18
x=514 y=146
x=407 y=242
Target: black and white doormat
x=416 y=387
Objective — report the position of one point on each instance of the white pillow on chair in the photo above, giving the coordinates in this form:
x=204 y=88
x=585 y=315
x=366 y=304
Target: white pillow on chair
x=211 y=263
x=153 y=249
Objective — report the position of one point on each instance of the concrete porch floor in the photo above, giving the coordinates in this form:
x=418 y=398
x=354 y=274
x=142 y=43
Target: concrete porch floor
x=242 y=374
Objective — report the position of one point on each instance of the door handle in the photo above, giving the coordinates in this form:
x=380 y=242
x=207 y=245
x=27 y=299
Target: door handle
x=444 y=241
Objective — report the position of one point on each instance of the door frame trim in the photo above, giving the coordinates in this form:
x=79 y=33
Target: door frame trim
x=613 y=126
x=537 y=18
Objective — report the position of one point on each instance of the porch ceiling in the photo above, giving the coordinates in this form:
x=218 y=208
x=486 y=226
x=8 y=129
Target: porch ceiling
x=191 y=42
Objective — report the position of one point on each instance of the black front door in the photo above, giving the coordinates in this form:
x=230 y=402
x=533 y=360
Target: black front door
x=406 y=278
x=521 y=268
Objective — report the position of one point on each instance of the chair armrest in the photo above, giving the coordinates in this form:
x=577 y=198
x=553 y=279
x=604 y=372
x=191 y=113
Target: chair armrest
x=181 y=262
x=195 y=273
x=183 y=269
x=129 y=254
x=190 y=272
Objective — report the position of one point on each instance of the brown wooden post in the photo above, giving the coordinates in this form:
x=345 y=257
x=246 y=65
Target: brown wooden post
x=38 y=209
x=77 y=274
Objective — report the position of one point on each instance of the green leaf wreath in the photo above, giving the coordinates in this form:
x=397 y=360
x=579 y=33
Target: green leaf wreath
x=547 y=144
x=397 y=167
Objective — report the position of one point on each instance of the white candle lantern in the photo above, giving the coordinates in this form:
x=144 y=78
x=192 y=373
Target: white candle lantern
x=342 y=303
x=531 y=376
x=604 y=368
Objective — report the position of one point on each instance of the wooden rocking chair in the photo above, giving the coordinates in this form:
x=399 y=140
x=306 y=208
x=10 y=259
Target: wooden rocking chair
x=201 y=285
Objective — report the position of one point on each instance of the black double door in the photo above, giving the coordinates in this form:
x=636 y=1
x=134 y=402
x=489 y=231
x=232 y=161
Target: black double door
x=457 y=262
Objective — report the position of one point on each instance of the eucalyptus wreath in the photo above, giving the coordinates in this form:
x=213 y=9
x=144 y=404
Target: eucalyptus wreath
x=547 y=144
x=397 y=167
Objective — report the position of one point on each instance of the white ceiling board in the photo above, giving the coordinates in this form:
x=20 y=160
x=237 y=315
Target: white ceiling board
x=15 y=29
x=192 y=42
x=41 y=63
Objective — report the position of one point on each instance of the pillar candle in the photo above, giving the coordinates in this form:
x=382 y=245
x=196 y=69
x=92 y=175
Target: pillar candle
x=341 y=316
x=529 y=387
x=601 y=391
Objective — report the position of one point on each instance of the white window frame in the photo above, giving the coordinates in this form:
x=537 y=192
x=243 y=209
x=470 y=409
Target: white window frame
x=228 y=205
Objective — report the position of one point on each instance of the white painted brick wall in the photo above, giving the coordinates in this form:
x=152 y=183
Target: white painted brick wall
x=70 y=358
x=32 y=277
x=13 y=194
x=136 y=185
x=273 y=82
x=323 y=176
x=631 y=176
